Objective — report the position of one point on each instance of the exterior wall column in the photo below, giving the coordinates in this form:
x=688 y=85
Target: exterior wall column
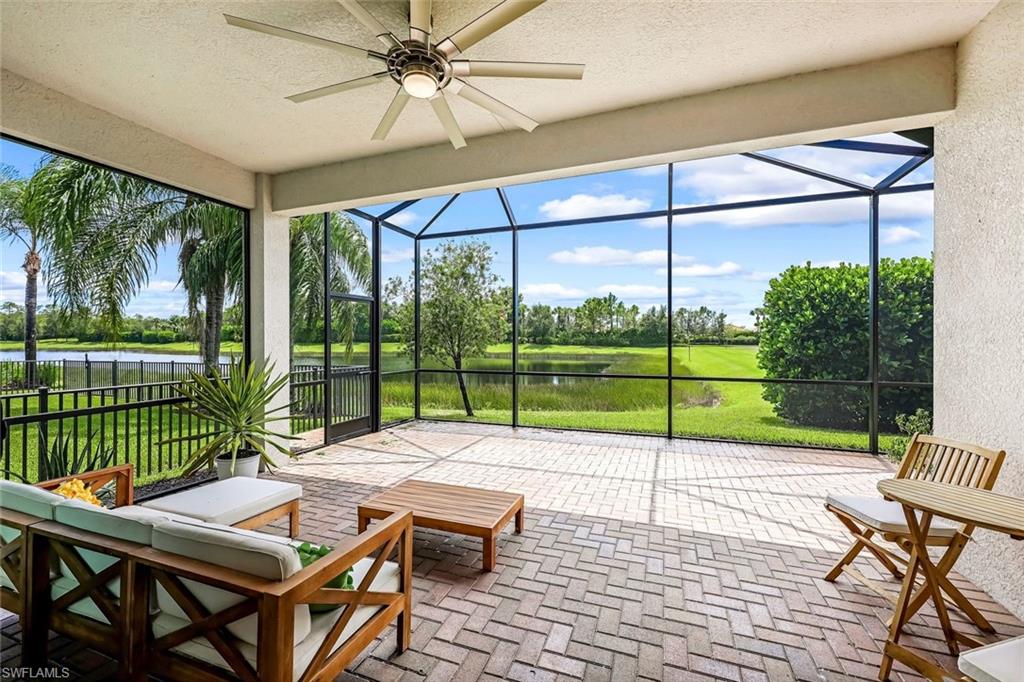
x=269 y=294
x=979 y=278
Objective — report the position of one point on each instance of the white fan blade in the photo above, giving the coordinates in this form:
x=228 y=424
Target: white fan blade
x=484 y=25
x=485 y=101
x=419 y=20
x=301 y=37
x=464 y=68
x=339 y=87
x=451 y=126
x=369 y=21
x=391 y=115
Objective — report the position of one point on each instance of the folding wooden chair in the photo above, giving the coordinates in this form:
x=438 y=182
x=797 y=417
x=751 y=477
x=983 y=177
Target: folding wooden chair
x=927 y=458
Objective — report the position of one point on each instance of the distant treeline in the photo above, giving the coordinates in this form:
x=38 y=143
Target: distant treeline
x=136 y=329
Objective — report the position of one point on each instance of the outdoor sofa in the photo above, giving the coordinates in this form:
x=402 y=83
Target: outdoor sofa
x=167 y=594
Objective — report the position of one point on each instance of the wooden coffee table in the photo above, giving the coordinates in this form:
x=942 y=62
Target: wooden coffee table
x=451 y=508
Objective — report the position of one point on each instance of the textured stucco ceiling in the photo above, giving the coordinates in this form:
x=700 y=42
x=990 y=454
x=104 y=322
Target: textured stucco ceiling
x=177 y=68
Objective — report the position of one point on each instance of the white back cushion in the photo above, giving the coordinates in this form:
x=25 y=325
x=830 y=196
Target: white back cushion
x=246 y=551
x=28 y=499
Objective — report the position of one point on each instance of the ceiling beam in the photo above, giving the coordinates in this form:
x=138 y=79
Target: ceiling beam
x=910 y=91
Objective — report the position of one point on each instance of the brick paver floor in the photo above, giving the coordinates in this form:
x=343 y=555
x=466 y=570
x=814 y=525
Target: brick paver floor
x=642 y=558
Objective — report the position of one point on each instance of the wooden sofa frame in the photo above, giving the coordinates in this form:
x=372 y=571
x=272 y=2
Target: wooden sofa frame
x=129 y=639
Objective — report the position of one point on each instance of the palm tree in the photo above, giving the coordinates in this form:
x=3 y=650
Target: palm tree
x=23 y=221
x=102 y=231
x=351 y=271
x=211 y=265
x=109 y=228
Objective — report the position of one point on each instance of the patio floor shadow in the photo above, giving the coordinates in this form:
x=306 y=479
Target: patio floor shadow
x=641 y=558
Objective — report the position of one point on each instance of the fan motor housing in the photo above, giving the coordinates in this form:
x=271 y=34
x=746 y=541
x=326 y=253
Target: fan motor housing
x=416 y=56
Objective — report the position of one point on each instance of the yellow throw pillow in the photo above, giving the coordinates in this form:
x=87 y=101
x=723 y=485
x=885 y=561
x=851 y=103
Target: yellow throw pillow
x=74 y=489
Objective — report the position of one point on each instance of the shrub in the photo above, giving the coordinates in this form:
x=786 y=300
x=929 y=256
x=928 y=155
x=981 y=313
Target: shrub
x=909 y=424
x=816 y=326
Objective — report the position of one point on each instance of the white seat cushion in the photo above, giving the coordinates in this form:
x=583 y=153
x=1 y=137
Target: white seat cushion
x=387 y=580
x=228 y=501
x=999 y=662
x=887 y=517
x=123 y=523
x=250 y=552
x=28 y=499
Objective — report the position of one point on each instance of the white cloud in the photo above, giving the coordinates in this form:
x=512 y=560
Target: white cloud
x=732 y=179
x=607 y=255
x=589 y=206
x=760 y=276
x=827 y=264
x=704 y=270
x=404 y=218
x=641 y=291
x=551 y=290
x=396 y=255
x=899 y=234
x=911 y=206
x=735 y=178
x=161 y=285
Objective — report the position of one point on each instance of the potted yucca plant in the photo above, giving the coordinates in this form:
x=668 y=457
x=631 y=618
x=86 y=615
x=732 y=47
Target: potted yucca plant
x=235 y=406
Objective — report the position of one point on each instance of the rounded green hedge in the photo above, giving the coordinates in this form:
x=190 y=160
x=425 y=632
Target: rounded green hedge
x=816 y=325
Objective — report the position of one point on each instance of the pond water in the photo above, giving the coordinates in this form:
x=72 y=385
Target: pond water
x=107 y=355
x=573 y=364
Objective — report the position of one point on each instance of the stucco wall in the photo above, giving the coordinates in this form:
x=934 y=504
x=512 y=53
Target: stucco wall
x=979 y=274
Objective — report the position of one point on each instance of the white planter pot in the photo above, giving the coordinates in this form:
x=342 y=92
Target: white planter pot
x=248 y=465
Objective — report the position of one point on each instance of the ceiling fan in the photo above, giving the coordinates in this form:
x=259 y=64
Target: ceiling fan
x=425 y=69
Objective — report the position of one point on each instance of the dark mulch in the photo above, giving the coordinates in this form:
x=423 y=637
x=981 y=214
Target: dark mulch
x=170 y=485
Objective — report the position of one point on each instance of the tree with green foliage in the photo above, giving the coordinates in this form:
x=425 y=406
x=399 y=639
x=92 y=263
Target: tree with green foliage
x=463 y=306
x=815 y=325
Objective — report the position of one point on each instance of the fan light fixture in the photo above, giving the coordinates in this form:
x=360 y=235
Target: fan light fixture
x=419 y=83
x=426 y=69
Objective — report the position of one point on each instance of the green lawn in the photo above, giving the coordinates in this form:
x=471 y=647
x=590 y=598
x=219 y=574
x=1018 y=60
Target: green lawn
x=728 y=410
x=136 y=436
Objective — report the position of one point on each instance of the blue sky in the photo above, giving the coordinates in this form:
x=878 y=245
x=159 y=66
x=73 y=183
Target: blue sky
x=723 y=260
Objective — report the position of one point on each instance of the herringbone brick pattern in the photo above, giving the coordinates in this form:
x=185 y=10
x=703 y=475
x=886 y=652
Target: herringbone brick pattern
x=642 y=558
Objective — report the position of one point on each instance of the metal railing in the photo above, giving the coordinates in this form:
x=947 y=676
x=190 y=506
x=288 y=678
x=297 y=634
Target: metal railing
x=350 y=395
x=130 y=423
x=112 y=425
x=19 y=375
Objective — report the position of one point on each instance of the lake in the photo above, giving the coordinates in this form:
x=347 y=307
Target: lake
x=107 y=355
x=575 y=364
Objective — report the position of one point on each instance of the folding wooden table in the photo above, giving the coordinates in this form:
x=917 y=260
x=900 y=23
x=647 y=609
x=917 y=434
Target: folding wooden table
x=970 y=506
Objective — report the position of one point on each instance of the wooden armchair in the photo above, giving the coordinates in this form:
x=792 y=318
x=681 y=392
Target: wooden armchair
x=274 y=606
x=928 y=458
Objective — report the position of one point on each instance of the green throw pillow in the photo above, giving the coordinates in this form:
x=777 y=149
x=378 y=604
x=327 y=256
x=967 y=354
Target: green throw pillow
x=309 y=553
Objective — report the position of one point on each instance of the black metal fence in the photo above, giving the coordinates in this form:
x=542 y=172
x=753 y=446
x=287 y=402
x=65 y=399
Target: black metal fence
x=307 y=398
x=18 y=375
x=350 y=396
x=97 y=427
